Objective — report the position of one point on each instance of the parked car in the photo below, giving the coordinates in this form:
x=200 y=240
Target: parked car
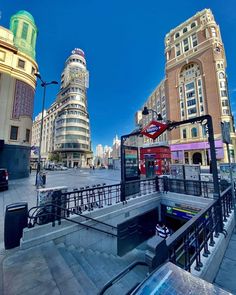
x=3 y=178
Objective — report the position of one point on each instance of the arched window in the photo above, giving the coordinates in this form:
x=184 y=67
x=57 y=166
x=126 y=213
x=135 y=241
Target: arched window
x=194 y=132
x=184 y=132
x=185 y=30
x=193 y=25
x=221 y=75
x=176 y=35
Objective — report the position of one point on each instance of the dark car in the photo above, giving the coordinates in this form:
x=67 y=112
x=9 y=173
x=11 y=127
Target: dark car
x=3 y=178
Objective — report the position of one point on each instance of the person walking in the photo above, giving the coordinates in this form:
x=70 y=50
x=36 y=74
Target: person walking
x=162 y=230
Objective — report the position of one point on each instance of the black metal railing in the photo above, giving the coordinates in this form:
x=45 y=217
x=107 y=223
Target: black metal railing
x=122 y=274
x=187 y=245
x=54 y=213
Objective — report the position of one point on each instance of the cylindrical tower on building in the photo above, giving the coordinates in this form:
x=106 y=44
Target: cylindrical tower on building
x=72 y=131
x=17 y=88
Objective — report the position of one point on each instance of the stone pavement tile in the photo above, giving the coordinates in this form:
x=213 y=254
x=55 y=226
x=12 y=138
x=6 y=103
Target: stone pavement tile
x=233 y=237
x=225 y=281
x=231 y=250
x=228 y=265
x=48 y=288
x=24 y=271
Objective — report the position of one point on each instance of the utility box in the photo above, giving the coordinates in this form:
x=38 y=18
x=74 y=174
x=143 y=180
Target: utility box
x=16 y=219
x=192 y=172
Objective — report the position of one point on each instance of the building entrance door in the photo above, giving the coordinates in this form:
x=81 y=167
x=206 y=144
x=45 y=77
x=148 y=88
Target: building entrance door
x=150 y=167
x=197 y=158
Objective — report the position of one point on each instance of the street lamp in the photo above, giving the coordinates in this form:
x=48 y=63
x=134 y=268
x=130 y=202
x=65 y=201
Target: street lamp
x=44 y=84
x=146 y=111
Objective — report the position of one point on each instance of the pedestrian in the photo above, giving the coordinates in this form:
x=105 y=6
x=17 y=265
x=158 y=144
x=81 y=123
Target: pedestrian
x=30 y=169
x=162 y=230
x=93 y=167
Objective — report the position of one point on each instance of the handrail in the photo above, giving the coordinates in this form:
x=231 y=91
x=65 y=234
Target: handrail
x=68 y=219
x=121 y=275
x=93 y=219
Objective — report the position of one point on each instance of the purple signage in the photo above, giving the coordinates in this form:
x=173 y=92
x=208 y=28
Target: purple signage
x=195 y=146
x=23 y=101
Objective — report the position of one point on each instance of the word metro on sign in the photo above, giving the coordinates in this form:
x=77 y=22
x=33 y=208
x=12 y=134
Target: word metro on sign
x=154 y=129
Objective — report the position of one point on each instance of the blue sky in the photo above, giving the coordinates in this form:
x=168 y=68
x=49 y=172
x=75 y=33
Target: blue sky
x=124 y=45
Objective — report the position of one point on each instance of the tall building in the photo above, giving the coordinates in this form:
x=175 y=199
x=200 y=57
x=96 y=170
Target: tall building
x=116 y=148
x=66 y=129
x=196 y=85
x=17 y=88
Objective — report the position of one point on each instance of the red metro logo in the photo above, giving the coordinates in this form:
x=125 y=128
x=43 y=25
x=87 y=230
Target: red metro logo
x=154 y=129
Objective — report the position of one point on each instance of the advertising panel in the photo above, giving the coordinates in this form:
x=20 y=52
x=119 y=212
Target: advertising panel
x=131 y=163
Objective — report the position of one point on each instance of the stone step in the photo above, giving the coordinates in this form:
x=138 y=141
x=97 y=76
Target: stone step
x=61 y=272
x=96 y=276
x=27 y=272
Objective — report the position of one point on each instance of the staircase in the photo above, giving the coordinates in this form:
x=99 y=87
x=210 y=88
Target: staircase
x=61 y=269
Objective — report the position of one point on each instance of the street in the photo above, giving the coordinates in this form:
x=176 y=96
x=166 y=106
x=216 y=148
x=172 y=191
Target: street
x=24 y=190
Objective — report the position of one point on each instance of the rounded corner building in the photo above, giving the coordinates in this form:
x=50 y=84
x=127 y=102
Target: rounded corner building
x=72 y=131
x=17 y=88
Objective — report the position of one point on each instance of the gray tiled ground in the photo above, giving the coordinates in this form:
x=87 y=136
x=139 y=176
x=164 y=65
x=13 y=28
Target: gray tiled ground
x=226 y=277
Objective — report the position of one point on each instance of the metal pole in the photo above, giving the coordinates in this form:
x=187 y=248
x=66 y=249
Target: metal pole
x=232 y=184
x=41 y=132
x=216 y=193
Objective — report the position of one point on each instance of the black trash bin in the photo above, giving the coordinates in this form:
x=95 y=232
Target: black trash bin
x=44 y=178
x=16 y=218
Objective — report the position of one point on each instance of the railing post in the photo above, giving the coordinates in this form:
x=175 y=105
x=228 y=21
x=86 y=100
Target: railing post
x=157 y=184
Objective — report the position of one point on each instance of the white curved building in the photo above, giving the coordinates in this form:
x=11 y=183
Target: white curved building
x=72 y=132
x=66 y=130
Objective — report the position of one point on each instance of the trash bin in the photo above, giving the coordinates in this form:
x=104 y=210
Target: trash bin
x=44 y=178
x=16 y=218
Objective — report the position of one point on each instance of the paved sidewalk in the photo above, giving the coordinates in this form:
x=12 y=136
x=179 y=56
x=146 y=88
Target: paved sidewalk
x=226 y=277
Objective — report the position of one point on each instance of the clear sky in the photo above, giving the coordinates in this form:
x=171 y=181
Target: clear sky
x=124 y=45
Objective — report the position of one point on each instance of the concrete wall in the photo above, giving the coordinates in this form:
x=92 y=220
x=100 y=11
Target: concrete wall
x=73 y=234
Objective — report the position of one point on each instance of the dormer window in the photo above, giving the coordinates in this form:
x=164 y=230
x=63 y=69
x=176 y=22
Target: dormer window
x=193 y=25
x=177 y=35
x=185 y=30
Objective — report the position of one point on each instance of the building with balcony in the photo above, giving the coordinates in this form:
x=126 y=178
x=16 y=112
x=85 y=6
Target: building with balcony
x=195 y=84
x=17 y=88
x=66 y=129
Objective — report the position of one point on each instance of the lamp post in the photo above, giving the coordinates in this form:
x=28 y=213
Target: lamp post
x=146 y=111
x=44 y=84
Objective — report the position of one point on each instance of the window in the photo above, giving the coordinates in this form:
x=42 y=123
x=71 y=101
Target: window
x=182 y=105
x=185 y=43
x=193 y=25
x=199 y=82
x=194 y=132
x=32 y=71
x=189 y=86
x=14 y=133
x=194 y=40
x=177 y=49
x=185 y=30
x=184 y=133
x=14 y=27
x=21 y=63
x=213 y=32
x=191 y=102
x=27 y=135
x=222 y=84
x=24 y=31
x=221 y=75
x=200 y=99
x=192 y=111
x=2 y=55
x=32 y=37
x=223 y=93
x=202 y=109
x=190 y=94
x=225 y=103
x=204 y=130
x=177 y=35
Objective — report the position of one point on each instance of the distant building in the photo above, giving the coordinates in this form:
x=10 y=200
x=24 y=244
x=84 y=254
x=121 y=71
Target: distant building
x=66 y=129
x=17 y=89
x=116 y=148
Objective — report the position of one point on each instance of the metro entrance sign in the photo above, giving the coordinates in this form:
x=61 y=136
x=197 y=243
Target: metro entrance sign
x=154 y=129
